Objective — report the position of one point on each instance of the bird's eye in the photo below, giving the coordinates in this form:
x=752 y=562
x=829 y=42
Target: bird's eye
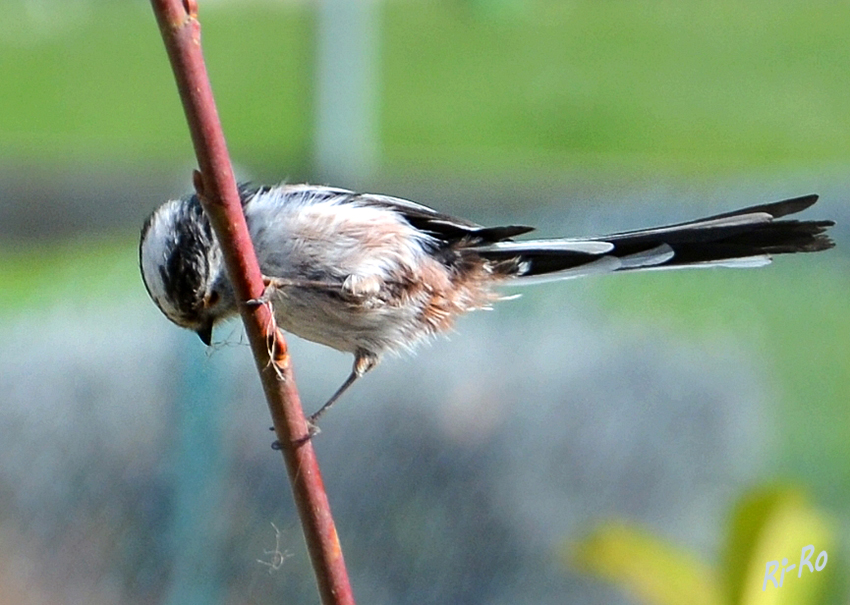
x=213 y=298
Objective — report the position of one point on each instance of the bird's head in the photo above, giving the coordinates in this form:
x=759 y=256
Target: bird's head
x=183 y=269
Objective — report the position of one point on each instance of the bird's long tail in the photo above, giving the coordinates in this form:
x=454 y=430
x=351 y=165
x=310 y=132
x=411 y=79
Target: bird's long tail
x=744 y=238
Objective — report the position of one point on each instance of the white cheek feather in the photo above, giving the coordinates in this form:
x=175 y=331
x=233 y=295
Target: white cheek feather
x=155 y=248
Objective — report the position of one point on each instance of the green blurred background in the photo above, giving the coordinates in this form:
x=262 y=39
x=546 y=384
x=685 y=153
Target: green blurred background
x=574 y=115
x=670 y=87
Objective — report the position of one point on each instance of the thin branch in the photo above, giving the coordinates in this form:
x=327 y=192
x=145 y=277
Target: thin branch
x=218 y=193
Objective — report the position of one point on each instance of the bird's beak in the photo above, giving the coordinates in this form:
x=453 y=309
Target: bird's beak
x=205 y=332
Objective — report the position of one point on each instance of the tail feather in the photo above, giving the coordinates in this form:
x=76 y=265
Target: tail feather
x=743 y=238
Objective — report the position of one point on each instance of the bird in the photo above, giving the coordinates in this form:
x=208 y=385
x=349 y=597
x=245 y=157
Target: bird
x=371 y=274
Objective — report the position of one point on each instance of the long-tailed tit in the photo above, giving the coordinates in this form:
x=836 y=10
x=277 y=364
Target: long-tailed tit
x=370 y=274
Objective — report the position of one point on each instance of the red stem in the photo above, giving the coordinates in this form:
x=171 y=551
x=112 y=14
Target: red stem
x=216 y=186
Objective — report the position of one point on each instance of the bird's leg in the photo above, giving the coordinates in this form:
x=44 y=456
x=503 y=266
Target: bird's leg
x=363 y=362
x=273 y=284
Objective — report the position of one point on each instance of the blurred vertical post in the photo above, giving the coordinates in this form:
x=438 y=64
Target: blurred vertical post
x=199 y=468
x=346 y=137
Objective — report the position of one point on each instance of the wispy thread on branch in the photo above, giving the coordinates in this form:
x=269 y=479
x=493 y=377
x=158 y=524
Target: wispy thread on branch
x=217 y=190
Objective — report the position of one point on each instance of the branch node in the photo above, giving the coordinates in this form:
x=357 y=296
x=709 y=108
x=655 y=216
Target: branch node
x=198 y=183
x=191 y=7
x=279 y=352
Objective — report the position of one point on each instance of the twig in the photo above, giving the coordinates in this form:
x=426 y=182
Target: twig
x=216 y=187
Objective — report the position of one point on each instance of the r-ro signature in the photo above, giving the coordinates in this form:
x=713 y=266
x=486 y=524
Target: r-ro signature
x=773 y=566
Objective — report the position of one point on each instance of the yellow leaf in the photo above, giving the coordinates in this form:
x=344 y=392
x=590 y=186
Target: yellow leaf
x=770 y=531
x=649 y=568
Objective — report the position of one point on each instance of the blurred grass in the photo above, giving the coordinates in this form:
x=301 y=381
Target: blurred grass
x=660 y=85
x=38 y=276
x=657 y=85
x=104 y=90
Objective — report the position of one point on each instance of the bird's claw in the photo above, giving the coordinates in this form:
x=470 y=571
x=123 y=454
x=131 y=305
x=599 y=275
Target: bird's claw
x=269 y=288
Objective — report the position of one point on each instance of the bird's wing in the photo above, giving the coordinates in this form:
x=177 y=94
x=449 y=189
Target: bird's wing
x=443 y=227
